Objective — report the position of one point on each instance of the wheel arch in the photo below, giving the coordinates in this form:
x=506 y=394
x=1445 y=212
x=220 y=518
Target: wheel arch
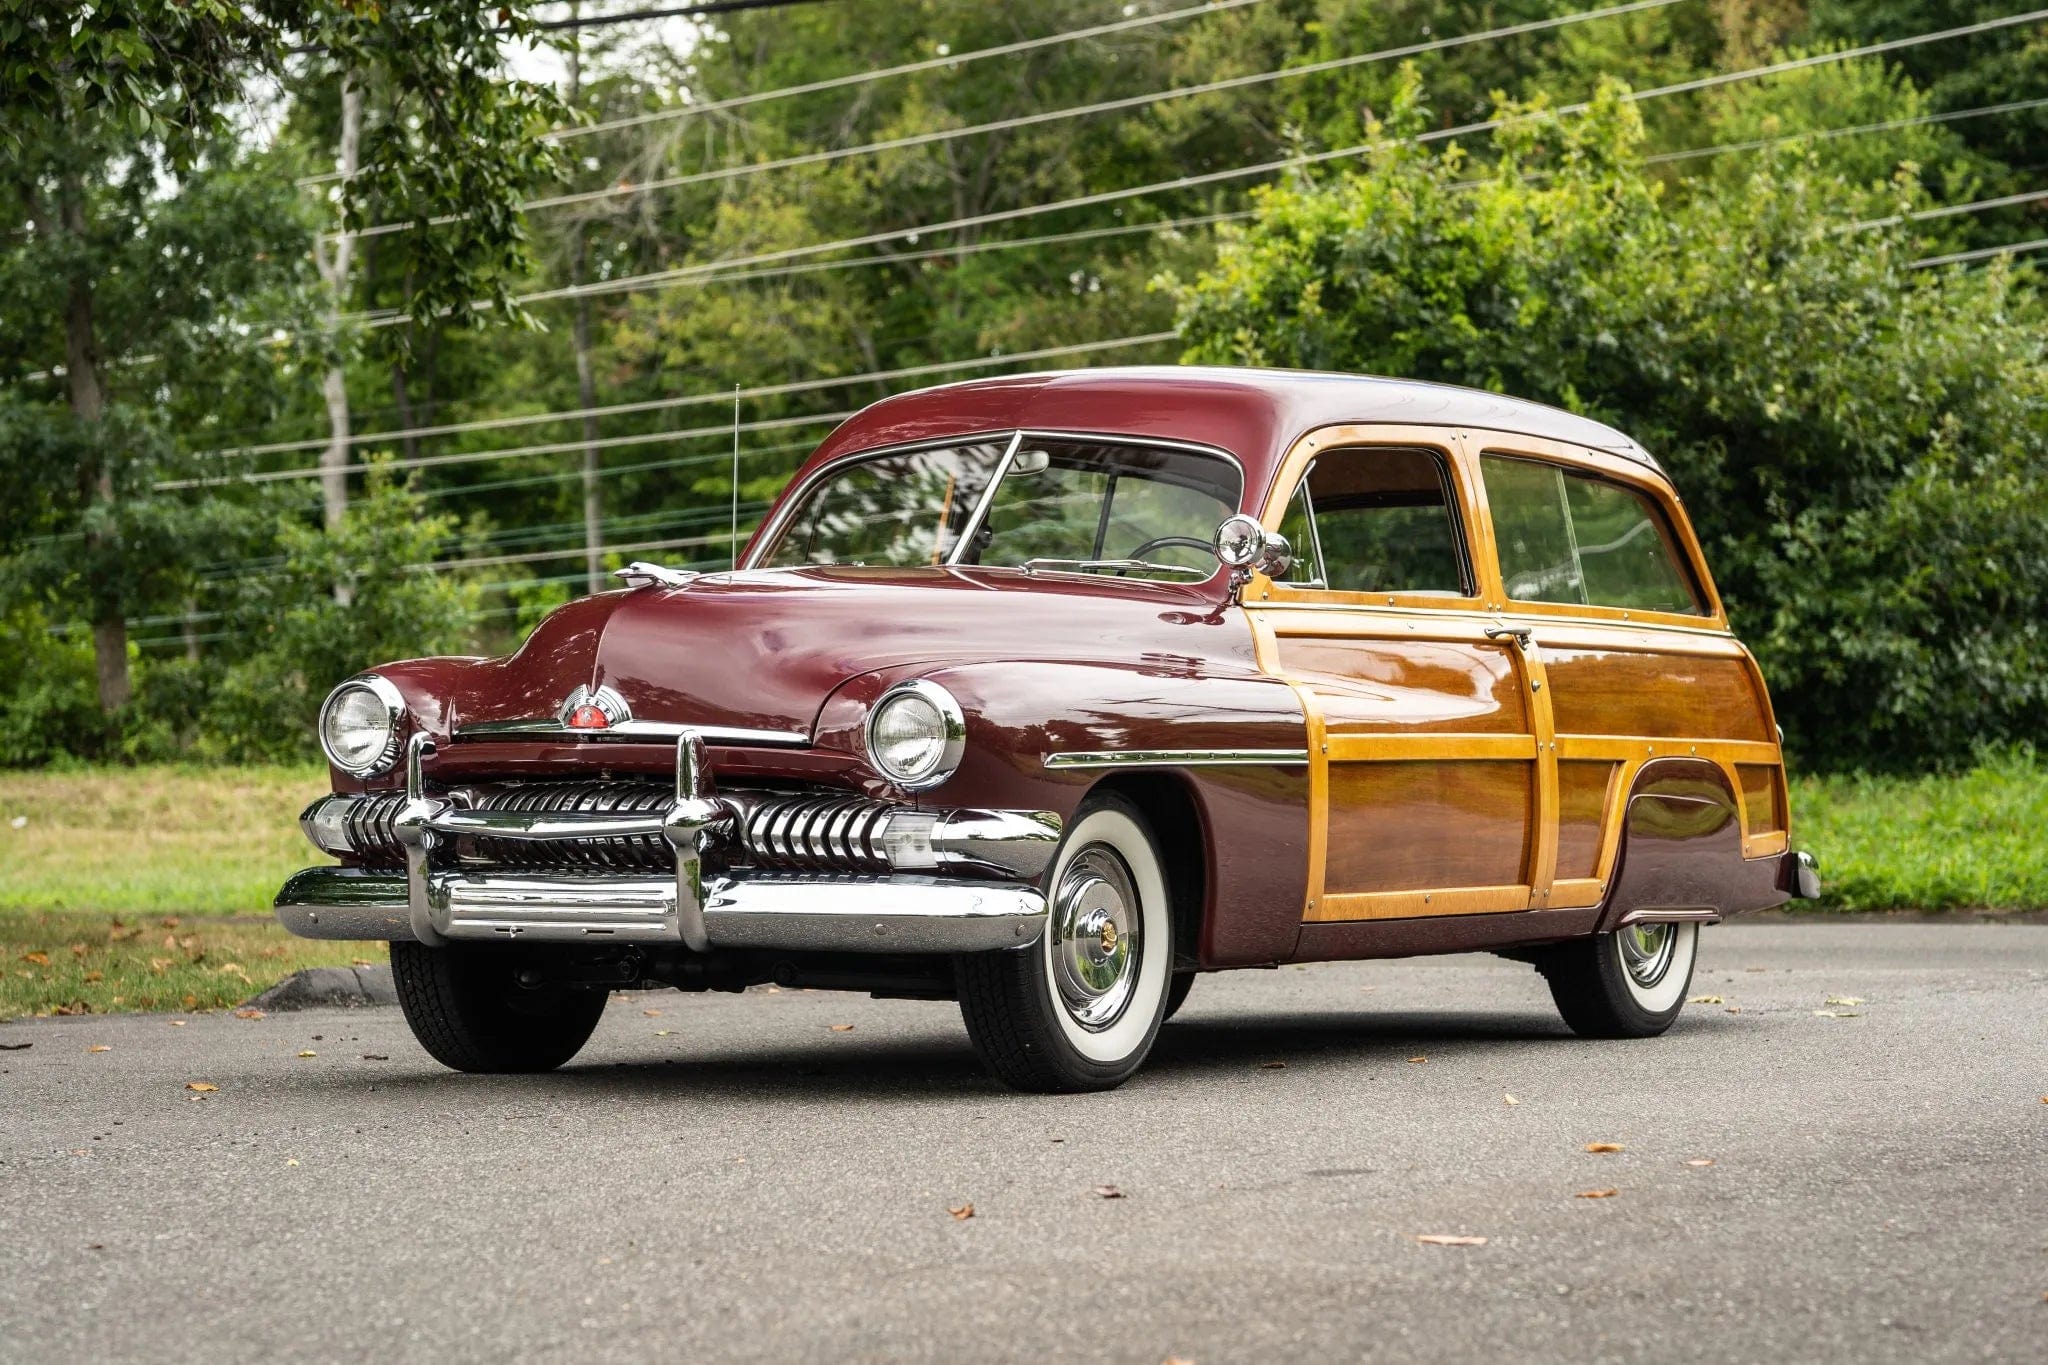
x=1180 y=831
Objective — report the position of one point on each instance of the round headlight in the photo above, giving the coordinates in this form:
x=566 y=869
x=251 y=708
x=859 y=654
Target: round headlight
x=359 y=725
x=915 y=735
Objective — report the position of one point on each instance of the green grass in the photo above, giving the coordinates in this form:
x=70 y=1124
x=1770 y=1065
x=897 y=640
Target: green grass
x=1973 y=840
x=150 y=888
x=174 y=840
x=87 y=963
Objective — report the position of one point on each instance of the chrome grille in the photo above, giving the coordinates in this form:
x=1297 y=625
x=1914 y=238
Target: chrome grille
x=836 y=833
x=372 y=833
x=640 y=851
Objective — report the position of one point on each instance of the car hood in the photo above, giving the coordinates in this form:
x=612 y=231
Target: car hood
x=763 y=649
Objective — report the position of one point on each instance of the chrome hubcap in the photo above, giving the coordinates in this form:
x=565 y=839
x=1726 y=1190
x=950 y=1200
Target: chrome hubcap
x=1095 y=938
x=1647 y=950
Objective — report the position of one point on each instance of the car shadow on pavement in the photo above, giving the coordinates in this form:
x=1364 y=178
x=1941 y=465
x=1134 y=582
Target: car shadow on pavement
x=880 y=1068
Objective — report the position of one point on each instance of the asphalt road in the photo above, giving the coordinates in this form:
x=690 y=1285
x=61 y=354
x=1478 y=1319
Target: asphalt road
x=733 y=1177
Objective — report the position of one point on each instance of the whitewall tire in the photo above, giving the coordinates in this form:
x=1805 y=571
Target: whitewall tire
x=1080 y=1010
x=1627 y=984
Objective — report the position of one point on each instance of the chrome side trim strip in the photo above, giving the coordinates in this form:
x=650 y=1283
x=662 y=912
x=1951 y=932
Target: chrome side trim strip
x=633 y=732
x=1177 y=758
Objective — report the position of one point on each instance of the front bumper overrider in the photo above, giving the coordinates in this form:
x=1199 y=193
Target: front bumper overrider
x=957 y=881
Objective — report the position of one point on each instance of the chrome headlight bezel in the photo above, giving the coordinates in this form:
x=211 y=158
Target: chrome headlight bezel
x=388 y=696
x=952 y=736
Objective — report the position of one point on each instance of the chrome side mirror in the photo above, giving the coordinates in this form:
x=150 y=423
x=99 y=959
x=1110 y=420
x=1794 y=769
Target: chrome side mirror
x=1245 y=547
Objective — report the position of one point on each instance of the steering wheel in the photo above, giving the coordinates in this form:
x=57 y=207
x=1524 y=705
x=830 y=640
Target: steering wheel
x=1160 y=542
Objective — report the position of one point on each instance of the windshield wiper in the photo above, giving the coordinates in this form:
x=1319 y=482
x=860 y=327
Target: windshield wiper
x=1114 y=565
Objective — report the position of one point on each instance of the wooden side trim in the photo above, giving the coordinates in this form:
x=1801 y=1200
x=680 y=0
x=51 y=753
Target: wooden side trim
x=1266 y=650
x=1463 y=900
x=1620 y=748
x=1576 y=893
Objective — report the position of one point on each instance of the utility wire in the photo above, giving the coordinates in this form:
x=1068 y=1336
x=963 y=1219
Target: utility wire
x=1980 y=254
x=700 y=11
x=1120 y=230
x=1050 y=115
x=864 y=77
x=759 y=391
x=631 y=283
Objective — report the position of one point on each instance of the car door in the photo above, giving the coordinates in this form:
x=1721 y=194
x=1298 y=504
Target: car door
x=1597 y=565
x=1431 y=783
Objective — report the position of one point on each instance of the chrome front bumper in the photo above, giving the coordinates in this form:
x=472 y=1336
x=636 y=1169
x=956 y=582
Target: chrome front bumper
x=861 y=915
x=918 y=908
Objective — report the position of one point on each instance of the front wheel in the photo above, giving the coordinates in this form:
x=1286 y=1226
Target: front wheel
x=1627 y=984
x=467 y=1007
x=1079 y=1011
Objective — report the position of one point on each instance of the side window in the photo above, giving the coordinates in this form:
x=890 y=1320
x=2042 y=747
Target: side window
x=1574 y=538
x=1377 y=520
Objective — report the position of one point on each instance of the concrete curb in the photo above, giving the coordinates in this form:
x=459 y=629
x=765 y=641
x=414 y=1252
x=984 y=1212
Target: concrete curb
x=327 y=987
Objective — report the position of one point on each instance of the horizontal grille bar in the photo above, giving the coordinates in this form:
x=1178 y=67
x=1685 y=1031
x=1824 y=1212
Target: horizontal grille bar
x=613 y=852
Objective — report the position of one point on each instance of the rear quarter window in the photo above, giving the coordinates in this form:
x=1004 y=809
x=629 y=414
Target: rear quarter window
x=1574 y=538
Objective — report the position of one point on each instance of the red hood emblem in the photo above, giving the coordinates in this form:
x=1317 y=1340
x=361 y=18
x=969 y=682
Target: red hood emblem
x=584 y=709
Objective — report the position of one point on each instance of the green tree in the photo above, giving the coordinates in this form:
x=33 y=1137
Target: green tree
x=1863 y=445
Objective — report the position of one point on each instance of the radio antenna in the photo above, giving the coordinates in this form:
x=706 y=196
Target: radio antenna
x=735 y=476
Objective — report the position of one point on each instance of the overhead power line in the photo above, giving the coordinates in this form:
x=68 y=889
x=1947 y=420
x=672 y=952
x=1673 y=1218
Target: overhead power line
x=1129 y=229
x=1044 y=116
x=1982 y=253
x=874 y=74
x=705 y=10
x=761 y=391
x=630 y=283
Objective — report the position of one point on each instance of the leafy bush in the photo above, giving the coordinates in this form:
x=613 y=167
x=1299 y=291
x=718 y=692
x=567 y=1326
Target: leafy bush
x=300 y=637
x=1861 y=444
x=50 y=706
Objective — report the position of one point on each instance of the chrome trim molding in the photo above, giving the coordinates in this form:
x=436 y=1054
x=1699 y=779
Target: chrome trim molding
x=1177 y=758
x=632 y=731
x=950 y=715
x=385 y=691
x=1670 y=915
x=839 y=914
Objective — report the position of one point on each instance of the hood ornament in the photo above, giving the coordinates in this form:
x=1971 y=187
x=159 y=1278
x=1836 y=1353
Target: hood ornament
x=641 y=574
x=584 y=709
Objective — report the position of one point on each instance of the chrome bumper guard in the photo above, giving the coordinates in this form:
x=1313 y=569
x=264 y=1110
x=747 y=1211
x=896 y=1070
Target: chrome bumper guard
x=918 y=910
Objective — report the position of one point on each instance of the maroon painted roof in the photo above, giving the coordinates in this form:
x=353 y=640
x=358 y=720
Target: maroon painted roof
x=1255 y=414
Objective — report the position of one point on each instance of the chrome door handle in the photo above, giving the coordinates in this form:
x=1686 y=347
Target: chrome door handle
x=1521 y=635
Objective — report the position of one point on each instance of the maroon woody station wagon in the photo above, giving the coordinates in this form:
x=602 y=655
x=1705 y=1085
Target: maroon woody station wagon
x=1044 y=694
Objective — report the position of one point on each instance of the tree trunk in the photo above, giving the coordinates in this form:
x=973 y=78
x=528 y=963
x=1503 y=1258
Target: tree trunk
x=88 y=405
x=334 y=261
x=586 y=383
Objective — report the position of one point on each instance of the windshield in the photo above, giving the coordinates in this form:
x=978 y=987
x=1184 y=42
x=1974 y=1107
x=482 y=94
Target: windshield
x=1072 y=503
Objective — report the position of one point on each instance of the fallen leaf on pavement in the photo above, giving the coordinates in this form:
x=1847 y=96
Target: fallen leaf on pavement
x=663 y=1032
x=99 y=1047
x=203 y=1087
x=1597 y=1194
x=291 y=1161
x=309 y=1053
x=1415 y=1061
x=1704 y=1000
x=1108 y=1192
x=1701 y=1161
x=1843 y=1000
x=375 y=1057
x=1272 y=1066
x=961 y=1212
x=175 y=1023
x=1509 y=1099
x=1734 y=1009
x=1838 y=1014
x=842 y=1028
x=1444 y=1239
x=652 y=1014
x=1605 y=1147
x=249 y=1014
x=21 y=1047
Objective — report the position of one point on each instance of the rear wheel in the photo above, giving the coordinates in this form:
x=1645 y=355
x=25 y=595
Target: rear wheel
x=1177 y=993
x=467 y=1008
x=1079 y=1011
x=1627 y=984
